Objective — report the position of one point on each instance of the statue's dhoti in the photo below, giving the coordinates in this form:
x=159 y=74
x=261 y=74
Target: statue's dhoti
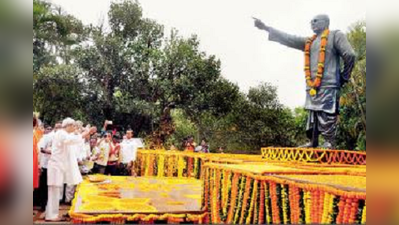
x=325 y=123
x=323 y=115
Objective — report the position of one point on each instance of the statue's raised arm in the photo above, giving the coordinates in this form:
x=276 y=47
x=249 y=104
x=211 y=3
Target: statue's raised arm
x=281 y=37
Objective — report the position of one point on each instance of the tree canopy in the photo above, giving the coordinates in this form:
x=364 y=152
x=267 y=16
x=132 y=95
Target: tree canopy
x=131 y=72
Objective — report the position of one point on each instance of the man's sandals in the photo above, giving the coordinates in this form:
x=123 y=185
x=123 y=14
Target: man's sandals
x=57 y=220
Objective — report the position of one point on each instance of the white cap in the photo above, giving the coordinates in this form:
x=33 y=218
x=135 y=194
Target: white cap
x=68 y=121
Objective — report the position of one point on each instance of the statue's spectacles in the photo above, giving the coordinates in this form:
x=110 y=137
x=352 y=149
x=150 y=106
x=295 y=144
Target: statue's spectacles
x=315 y=20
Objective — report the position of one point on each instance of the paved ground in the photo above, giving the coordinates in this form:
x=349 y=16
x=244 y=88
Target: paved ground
x=38 y=217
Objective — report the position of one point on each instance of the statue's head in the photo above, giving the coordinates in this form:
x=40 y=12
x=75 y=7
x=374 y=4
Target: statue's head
x=319 y=23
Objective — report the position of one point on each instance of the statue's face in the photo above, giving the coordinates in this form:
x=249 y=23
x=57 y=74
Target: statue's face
x=319 y=23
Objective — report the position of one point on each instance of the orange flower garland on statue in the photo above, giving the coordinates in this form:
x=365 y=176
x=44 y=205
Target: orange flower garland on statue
x=314 y=84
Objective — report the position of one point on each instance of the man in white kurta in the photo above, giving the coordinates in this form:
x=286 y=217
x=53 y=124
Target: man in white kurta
x=128 y=154
x=76 y=177
x=59 y=166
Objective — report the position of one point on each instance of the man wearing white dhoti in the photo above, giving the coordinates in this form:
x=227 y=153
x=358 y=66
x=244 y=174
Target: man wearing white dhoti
x=60 y=166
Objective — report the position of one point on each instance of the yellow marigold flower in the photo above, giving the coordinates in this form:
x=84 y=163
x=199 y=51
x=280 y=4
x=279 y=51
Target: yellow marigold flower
x=312 y=92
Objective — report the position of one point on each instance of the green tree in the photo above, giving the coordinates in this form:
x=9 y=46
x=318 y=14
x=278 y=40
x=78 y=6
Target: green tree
x=58 y=93
x=184 y=128
x=135 y=70
x=301 y=116
x=352 y=124
x=54 y=32
x=256 y=120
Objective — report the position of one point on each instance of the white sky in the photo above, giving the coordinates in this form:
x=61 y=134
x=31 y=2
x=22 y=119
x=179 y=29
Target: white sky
x=225 y=29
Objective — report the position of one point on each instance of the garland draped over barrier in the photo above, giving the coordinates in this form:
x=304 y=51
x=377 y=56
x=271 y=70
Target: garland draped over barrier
x=182 y=164
x=169 y=164
x=314 y=155
x=233 y=197
x=185 y=164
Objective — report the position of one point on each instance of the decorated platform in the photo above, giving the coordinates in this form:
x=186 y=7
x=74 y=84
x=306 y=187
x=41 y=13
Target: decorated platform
x=121 y=199
x=322 y=156
x=281 y=186
x=238 y=194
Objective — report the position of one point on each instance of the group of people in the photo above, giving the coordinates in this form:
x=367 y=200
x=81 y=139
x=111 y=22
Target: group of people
x=189 y=145
x=65 y=153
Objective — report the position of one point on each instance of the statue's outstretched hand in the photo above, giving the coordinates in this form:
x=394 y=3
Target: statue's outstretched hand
x=260 y=25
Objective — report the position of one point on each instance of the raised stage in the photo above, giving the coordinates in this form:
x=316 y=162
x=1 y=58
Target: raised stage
x=105 y=198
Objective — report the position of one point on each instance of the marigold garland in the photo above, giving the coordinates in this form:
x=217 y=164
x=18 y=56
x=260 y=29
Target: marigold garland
x=293 y=209
x=314 y=206
x=321 y=197
x=190 y=167
x=364 y=215
x=322 y=156
x=274 y=201
x=326 y=207
x=217 y=197
x=212 y=196
x=285 y=204
x=181 y=165
x=152 y=165
x=209 y=200
x=253 y=202
x=341 y=208
x=348 y=204
x=330 y=212
x=234 y=193
x=226 y=196
x=262 y=204
x=257 y=201
x=196 y=169
x=314 y=84
x=354 y=207
x=240 y=200
x=171 y=164
x=223 y=189
x=279 y=202
x=268 y=204
x=245 y=200
x=307 y=203
x=161 y=166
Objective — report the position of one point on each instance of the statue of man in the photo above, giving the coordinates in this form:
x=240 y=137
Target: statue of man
x=323 y=73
